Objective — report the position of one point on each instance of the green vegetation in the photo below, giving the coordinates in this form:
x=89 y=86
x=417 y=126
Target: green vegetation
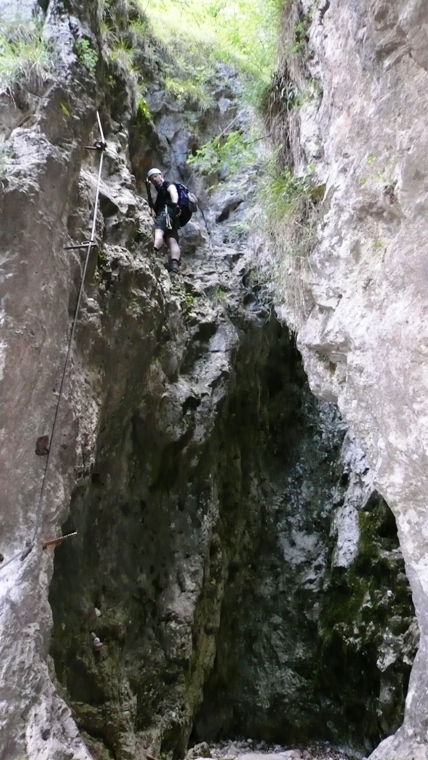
x=220 y=294
x=24 y=55
x=364 y=606
x=385 y=176
x=104 y=6
x=200 y=33
x=232 y=149
x=291 y=195
x=290 y=218
x=122 y=52
x=86 y=54
x=101 y=259
x=134 y=303
x=301 y=32
x=353 y=596
x=238 y=229
x=143 y=107
x=283 y=192
x=189 y=89
x=127 y=42
x=189 y=300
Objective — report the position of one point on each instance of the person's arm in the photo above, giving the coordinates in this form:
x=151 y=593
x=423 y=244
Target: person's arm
x=150 y=199
x=173 y=193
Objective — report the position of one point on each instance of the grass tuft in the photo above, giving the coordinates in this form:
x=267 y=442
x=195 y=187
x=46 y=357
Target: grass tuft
x=24 y=55
x=290 y=220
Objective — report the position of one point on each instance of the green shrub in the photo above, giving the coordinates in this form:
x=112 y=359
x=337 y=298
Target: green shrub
x=143 y=107
x=86 y=54
x=231 y=149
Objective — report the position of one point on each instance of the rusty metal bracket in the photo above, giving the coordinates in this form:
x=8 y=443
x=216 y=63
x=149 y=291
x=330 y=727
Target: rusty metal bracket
x=57 y=541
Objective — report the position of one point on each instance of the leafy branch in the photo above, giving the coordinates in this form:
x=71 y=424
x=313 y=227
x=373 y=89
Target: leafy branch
x=232 y=150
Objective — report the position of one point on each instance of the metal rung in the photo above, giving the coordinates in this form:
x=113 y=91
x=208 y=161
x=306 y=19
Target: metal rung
x=81 y=245
x=99 y=145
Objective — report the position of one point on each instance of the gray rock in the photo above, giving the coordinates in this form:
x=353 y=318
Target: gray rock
x=202 y=476
x=364 y=333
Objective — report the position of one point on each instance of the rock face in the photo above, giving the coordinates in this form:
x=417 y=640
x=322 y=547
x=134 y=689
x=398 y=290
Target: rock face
x=296 y=654
x=363 y=331
x=234 y=563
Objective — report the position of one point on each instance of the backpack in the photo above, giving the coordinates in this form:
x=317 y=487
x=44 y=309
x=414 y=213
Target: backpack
x=188 y=203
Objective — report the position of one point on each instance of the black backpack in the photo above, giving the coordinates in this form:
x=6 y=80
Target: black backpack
x=187 y=201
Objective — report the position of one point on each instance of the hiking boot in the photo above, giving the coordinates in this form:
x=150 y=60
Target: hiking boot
x=173 y=266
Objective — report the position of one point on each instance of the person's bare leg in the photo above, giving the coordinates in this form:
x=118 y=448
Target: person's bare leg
x=158 y=239
x=174 y=255
x=174 y=249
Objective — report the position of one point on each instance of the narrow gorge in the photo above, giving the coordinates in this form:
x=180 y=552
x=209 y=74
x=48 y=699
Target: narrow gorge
x=237 y=453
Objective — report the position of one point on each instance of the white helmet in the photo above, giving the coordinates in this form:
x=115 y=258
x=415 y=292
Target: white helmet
x=152 y=172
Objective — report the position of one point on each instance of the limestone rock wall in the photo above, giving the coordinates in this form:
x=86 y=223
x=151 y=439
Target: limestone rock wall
x=363 y=333
x=319 y=640
x=44 y=152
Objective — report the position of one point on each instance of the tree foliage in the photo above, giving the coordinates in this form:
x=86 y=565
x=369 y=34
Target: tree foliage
x=242 y=31
x=232 y=150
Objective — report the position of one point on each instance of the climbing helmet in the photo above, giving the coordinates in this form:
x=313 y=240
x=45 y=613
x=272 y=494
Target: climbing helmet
x=151 y=172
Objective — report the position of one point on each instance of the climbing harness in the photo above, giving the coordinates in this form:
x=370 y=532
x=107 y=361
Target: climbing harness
x=44 y=444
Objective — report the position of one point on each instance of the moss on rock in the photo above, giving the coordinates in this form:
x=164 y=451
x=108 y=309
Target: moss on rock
x=367 y=628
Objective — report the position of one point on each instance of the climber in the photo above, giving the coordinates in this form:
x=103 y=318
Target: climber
x=166 y=212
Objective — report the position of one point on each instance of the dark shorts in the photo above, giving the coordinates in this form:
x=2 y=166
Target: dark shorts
x=160 y=224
